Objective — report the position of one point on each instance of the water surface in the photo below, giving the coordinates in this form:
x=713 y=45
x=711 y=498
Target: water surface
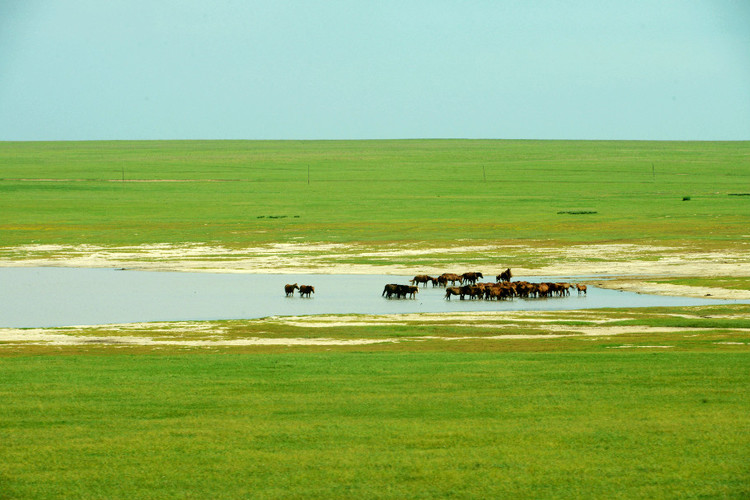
x=51 y=297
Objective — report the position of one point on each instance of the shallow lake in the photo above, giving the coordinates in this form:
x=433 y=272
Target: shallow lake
x=50 y=297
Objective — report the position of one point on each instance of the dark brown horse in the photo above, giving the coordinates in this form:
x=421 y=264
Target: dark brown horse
x=471 y=277
x=499 y=291
x=289 y=289
x=400 y=291
x=404 y=290
x=306 y=290
x=504 y=276
x=390 y=289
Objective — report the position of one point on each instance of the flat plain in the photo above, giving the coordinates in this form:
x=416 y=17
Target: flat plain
x=432 y=192
x=584 y=404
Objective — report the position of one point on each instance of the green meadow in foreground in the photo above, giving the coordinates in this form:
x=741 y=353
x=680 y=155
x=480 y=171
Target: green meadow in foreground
x=376 y=425
x=436 y=191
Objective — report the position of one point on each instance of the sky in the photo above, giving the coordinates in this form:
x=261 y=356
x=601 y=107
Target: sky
x=278 y=69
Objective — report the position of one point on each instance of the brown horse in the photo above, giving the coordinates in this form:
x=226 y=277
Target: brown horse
x=541 y=289
x=289 y=289
x=471 y=277
x=389 y=290
x=404 y=290
x=499 y=291
x=581 y=288
x=451 y=277
x=452 y=290
x=504 y=276
x=306 y=290
x=400 y=291
x=422 y=278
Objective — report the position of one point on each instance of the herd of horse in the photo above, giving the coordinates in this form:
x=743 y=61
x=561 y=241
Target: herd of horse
x=509 y=290
x=469 y=286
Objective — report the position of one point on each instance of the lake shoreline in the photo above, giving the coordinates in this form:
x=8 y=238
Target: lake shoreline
x=627 y=267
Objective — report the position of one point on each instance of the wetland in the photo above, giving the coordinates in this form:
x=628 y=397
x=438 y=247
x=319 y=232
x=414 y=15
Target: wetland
x=42 y=297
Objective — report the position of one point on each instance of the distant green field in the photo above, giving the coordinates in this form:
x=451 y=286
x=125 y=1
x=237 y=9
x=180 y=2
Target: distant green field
x=376 y=425
x=732 y=283
x=437 y=191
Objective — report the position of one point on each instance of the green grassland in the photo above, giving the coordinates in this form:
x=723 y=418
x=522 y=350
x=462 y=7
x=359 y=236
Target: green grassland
x=246 y=192
x=729 y=282
x=712 y=328
x=432 y=415
x=376 y=425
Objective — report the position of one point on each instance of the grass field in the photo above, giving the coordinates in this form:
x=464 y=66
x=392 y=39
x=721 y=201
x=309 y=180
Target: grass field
x=243 y=192
x=648 y=403
x=733 y=283
x=616 y=404
x=376 y=425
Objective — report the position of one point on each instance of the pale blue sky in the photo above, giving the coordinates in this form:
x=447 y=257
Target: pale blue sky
x=566 y=69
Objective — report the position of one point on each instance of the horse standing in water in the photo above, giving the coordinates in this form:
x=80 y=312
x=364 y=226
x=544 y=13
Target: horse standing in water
x=504 y=276
x=289 y=289
x=423 y=278
x=306 y=290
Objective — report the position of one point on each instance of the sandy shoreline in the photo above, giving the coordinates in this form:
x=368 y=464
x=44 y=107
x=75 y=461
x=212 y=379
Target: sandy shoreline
x=492 y=326
x=628 y=267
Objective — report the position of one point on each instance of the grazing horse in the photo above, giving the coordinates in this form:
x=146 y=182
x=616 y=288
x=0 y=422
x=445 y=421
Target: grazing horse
x=306 y=290
x=289 y=289
x=504 y=276
x=471 y=277
x=581 y=288
x=422 y=278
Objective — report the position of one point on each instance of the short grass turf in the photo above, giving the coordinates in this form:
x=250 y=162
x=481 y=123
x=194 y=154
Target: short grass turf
x=376 y=425
x=435 y=191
